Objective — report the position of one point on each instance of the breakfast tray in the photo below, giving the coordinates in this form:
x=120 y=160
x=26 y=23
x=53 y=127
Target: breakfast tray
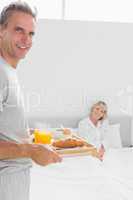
x=77 y=151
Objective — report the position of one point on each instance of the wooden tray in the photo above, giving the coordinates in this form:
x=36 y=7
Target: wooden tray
x=78 y=151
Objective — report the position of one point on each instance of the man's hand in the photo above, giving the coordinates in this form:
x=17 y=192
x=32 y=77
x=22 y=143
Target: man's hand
x=42 y=154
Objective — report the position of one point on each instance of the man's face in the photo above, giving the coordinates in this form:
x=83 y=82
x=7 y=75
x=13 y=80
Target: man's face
x=16 y=37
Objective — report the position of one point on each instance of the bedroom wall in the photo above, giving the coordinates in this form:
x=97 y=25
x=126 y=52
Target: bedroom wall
x=73 y=63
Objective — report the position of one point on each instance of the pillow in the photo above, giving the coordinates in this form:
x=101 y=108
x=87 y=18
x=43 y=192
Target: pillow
x=113 y=136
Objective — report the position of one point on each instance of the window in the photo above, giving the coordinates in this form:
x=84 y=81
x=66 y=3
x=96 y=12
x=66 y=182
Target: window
x=99 y=10
x=51 y=9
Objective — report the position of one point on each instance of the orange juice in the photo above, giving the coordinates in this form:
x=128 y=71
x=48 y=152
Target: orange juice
x=42 y=137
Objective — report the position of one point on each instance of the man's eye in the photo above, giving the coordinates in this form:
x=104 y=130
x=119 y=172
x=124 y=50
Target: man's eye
x=18 y=30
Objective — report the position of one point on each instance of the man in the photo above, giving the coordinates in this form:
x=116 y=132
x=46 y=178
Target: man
x=17 y=27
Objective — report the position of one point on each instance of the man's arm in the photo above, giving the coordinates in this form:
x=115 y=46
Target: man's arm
x=11 y=150
x=38 y=153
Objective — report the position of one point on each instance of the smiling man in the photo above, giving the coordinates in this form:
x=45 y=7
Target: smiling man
x=17 y=27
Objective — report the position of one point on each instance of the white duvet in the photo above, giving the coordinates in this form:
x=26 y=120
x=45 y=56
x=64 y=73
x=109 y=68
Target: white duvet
x=85 y=177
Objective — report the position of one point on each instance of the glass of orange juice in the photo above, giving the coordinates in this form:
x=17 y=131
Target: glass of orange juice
x=42 y=137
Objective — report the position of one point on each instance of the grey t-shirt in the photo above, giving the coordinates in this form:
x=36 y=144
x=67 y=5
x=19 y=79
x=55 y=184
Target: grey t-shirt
x=13 y=123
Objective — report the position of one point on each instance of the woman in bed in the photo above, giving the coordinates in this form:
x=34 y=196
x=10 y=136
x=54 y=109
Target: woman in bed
x=94 y=127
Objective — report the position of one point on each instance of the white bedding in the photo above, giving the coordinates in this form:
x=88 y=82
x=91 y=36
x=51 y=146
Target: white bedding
x=85 y=177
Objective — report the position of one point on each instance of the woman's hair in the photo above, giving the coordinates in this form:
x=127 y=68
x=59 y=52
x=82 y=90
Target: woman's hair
x=100 y=103
x=15 y=7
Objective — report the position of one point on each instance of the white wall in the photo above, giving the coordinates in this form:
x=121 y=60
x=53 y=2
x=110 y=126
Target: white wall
x=71 y=61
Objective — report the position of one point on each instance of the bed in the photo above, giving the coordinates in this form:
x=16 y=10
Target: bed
x=86 y=177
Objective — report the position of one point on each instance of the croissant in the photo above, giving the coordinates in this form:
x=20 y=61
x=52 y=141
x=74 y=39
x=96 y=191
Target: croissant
x=68 y=143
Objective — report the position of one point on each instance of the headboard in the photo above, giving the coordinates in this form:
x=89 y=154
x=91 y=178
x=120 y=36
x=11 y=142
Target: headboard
x=125 y=122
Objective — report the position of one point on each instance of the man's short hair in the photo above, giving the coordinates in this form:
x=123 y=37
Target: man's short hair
x=15 y=7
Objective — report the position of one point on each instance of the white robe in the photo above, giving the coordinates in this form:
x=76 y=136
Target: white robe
x=95 y=135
